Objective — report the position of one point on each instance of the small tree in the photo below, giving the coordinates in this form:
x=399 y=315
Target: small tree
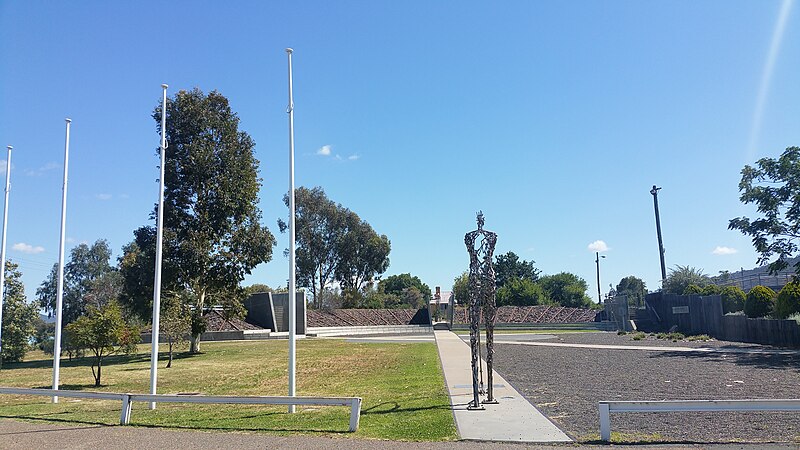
x=711 y=289
x=18 y=317
x=788 y=301
x=176 y=324
x=760 y=301
x=680 y=277
x=103 y=332
x=733 y=298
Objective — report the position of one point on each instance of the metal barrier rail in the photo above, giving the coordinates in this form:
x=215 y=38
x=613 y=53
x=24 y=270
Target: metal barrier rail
x=607 y=407
x=127 y=400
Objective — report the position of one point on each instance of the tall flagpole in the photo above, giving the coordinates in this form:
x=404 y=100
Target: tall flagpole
x=3 y=249
x=292 y=288
x=60 y=295
x=159 y=238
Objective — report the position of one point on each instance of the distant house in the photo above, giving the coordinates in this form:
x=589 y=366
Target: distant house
x=759 y=276
x=441 y=299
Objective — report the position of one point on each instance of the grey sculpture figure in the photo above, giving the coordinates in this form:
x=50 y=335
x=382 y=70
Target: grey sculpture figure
x=481 y=297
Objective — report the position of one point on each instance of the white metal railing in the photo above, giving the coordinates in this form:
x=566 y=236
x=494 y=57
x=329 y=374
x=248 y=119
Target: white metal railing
x=127 y=400
x=607 y=407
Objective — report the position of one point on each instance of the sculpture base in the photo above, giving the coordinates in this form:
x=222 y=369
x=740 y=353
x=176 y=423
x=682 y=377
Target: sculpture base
x=491 y=402
x=472 y=407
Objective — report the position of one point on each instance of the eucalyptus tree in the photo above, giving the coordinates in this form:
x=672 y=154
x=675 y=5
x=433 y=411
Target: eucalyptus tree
x=212 y=231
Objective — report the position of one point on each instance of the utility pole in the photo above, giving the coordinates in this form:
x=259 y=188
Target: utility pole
x=597 y=261
x=654 y=191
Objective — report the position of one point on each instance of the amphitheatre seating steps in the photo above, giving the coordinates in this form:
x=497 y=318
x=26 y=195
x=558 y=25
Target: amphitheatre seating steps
x=217 y=322
x=361 y=317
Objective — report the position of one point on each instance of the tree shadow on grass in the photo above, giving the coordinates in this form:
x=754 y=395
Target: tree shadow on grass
x=197 y=426
x=394 y=407
x=87 y=361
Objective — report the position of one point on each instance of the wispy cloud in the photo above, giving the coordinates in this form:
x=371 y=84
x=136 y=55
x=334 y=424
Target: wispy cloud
x=598 y=246
x=353 y=157
x=325 y=150
x=42 y=170
x=766 y=77
x=27 y=248
x=722 y=250
x=71 y=240
x=103 y=196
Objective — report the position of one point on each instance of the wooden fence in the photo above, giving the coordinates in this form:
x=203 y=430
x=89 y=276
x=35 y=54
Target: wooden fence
x=695 y=314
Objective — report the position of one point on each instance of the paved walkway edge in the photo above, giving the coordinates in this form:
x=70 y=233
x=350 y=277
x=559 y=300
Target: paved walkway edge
x=513 y=419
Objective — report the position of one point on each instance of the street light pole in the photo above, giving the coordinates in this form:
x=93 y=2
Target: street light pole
x=654 y=191
x=597 y=261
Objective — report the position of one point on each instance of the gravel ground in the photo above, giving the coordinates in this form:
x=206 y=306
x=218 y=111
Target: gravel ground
x=566 y=384
x=612 y=338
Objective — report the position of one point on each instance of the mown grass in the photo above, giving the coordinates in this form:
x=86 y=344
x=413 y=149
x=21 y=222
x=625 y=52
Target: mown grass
x=402 y=387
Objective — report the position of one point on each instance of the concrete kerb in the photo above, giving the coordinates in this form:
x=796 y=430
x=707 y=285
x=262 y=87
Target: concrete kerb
x=513 y=419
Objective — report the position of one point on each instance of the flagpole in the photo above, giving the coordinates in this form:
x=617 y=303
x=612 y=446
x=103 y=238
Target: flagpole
x=3 y=249
x=60 y=294
x=292 y=289
x=159 y=247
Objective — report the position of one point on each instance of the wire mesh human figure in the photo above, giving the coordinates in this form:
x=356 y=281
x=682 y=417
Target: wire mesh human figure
x=481 y=296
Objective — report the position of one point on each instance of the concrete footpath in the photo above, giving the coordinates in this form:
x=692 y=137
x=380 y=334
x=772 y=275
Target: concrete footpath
x=513 y=419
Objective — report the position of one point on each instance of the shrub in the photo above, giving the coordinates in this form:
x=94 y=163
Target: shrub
x=733 y=298
x=795 y=317
x=788 y=301
x=760 y=301
x=693 y=289
x=711 y=289
x=699 y=337
x=638 y=336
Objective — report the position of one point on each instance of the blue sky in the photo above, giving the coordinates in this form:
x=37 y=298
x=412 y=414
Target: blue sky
x=554 y=118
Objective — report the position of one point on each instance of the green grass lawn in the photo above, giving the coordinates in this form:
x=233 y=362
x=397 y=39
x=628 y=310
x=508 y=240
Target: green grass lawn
x=402 y=387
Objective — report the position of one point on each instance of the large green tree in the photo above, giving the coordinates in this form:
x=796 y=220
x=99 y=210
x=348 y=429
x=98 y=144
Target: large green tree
x=509 y=266
x=212 y=231
x=334 y=244
x=19 y=317
x=409 y=289
x=634 y=288
x=773 y=186
x=461 y=289
x=566 y=289
x=680 y=277
x=87 y=266
x=362 y=253
x=521 y=292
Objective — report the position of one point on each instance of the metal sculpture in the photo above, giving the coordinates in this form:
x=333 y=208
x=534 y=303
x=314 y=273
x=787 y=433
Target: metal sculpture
x=481 y=297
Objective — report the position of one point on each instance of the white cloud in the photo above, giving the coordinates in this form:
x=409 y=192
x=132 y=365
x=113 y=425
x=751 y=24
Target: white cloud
x=325 y=150
x=41 y=170
x=353 y=157
x=722 y=250
x=103 y=196
x=598 y=246
x=27 y=248
x=71 y=240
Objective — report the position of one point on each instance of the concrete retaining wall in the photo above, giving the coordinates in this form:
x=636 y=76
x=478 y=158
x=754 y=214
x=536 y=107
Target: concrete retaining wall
x=377 y=329
x=219 y=336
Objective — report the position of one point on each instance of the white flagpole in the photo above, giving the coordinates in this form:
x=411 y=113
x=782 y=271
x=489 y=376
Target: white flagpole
x=292 y=288
x=3 y=249
x=60 y=295
x=159 y=246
